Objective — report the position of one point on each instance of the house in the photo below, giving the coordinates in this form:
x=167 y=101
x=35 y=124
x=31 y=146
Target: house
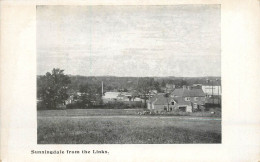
x=212 y=91
x=119 y=96
x=161 y=103
x=196 y=97
x=183 y=99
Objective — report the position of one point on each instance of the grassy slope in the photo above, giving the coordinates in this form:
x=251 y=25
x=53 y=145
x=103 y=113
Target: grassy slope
x=126 y=131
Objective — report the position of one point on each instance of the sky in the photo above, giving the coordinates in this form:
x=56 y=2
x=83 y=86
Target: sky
x=180 y=40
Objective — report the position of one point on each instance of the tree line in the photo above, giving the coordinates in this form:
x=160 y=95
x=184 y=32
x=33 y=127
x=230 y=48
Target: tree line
x=54 y=87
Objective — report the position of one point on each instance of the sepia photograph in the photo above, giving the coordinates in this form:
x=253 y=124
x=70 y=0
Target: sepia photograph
x=129 y=74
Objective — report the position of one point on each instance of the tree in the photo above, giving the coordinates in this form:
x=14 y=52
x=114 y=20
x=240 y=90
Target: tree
x=109 y=88
x=167 y=95
x=183 y=82
x=180 y=83
x=91 y=93
x=144 y=86
x=156 y=85
x=135 y=94
x=163 y=84
x=52 y=88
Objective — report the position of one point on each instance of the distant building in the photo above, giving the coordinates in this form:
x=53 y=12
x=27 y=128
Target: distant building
x=138 y=99
x=110 y=96
x=120 y=97
x=210 y=90
x=124 y=97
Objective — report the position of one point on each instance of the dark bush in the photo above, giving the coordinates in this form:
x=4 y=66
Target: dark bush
x=76 y=105
x=122 y=105
x=41 y=106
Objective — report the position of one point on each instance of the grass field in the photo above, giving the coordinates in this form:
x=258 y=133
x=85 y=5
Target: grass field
x=88 y=112
x=109 y=112
x=62 y=128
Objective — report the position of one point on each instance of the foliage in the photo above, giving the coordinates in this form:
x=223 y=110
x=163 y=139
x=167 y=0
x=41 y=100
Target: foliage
x=112 y=83
x=52 y=88
x=76 y=105
x=91 y=94
x=163 y=84
x=110 y=105
x=41 y=106
x=144 y=86
x=167 y=95
x=157 y=87
x=122 y=105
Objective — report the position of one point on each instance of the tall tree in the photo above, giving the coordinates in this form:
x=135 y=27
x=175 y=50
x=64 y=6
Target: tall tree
x=52 y=88
x=144 y=86
x=91 y=93
x=163 y=84
x=184 y=82
x=156 y=85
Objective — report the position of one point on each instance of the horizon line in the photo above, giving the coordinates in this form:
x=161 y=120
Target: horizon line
x=135 y=76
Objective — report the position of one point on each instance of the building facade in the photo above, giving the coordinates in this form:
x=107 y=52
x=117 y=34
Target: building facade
x=183 y=99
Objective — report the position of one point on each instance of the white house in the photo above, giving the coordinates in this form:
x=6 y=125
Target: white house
x=209 y=90
x=111 y=95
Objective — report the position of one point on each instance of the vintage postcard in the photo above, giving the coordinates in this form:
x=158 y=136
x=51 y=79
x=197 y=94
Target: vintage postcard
x=130 y=81
x=128 y=74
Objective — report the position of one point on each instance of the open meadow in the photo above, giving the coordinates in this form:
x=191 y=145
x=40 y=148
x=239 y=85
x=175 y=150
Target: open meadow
x=68 y=127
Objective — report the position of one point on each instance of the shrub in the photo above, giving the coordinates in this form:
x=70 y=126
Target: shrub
x=122 y=105
x=109 y=105
x=41 y=106
x=76 y=105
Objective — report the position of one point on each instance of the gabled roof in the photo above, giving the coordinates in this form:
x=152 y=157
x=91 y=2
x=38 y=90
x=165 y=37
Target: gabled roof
x=181 y=101
x=162 y=100
x=183 y=92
